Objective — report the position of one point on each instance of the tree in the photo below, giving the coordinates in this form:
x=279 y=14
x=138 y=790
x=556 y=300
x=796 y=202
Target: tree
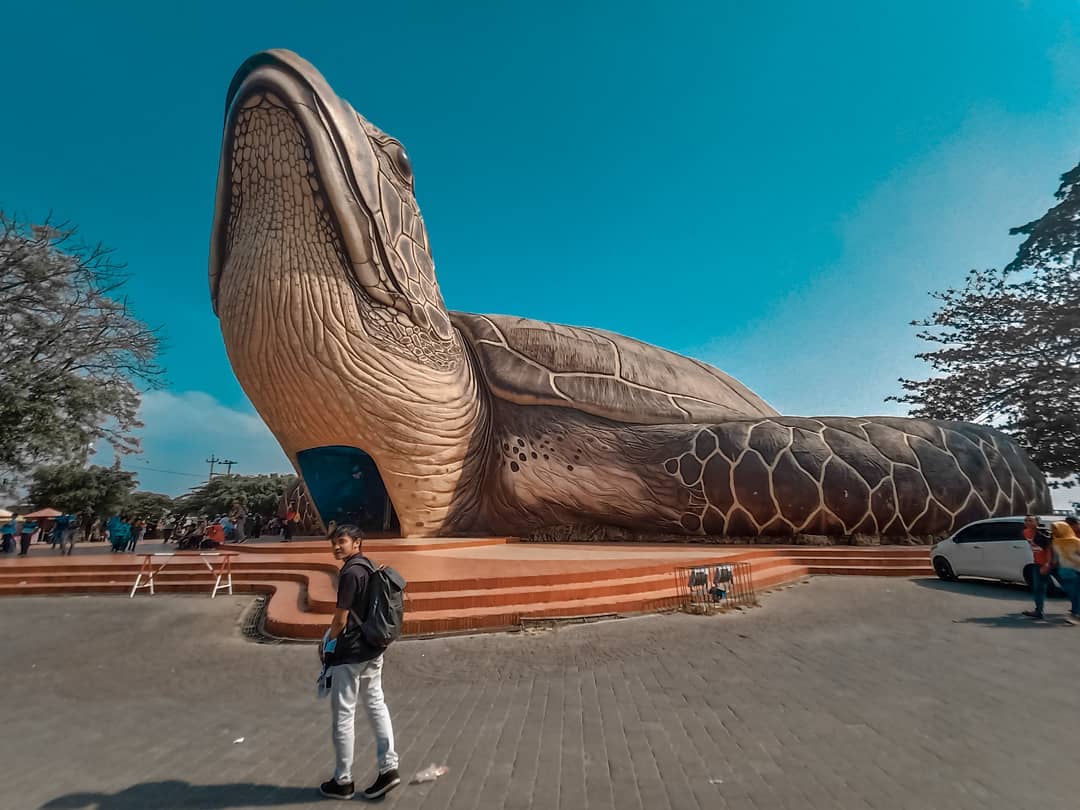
x=150 y=506
x=258 y=493
x=73 y=353
x=93 y=491
x=1009 y=343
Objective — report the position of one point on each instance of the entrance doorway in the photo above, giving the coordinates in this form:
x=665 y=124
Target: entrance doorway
x=346 y=487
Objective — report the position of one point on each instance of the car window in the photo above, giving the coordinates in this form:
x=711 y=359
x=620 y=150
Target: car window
x=971 y=534
x=1003 y=530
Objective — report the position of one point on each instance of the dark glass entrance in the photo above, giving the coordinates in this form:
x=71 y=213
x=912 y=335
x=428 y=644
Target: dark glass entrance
x=346 y=487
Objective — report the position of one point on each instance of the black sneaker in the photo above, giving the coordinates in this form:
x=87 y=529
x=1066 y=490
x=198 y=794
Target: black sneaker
x=383 y=785
x=332 y=790
x=1033 y=614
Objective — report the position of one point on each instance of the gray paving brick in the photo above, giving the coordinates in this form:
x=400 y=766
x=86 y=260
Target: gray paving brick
x=861 y=693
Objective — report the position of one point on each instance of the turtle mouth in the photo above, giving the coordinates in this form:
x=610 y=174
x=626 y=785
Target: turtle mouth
x=337 y=163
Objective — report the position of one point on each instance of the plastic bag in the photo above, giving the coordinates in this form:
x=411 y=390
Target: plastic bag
x=429 y=774
x=323 y=683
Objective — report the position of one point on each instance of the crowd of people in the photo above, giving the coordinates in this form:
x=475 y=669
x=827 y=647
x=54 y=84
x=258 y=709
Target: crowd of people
x=18 y=532
x=124 y=532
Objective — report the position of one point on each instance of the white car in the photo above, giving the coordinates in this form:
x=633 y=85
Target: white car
x=994 y=548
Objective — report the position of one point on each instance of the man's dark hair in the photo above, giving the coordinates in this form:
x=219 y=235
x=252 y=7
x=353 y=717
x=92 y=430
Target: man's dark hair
x=347 y=530
x=1072 y=520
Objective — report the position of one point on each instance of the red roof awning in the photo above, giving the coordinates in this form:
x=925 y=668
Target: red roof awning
x=42 y=514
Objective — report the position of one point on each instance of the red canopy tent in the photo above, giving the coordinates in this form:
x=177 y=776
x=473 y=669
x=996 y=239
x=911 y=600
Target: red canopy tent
x=43 y=514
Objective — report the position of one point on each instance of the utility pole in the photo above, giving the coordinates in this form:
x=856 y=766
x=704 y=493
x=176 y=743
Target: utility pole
x=228 y=462
x=212 y=461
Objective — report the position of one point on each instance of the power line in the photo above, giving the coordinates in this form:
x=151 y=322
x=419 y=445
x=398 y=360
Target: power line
x=173 y=472
x=145 y=465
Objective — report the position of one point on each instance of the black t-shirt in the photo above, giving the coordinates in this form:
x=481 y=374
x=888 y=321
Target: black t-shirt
x=352 y=582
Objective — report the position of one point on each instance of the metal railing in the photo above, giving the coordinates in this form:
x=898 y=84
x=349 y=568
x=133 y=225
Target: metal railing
x=717 y=586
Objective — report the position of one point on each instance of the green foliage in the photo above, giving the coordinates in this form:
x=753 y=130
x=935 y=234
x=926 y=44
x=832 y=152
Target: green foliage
x=148 y=505
x=100 y=491
x=1009 y=343
x=73 y=352
x=259 y=493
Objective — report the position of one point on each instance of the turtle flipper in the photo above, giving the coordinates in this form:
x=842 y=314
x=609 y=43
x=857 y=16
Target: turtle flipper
x=775 y=476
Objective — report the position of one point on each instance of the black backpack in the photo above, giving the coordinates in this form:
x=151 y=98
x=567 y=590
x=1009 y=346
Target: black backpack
x=384 y=607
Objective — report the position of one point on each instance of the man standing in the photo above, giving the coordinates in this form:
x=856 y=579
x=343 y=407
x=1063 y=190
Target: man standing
x=138 y=532
x=1039 y=540
x=238 y=516
x=29 y=531
x=355 y=673
x=1067 y=548
x=289 y=526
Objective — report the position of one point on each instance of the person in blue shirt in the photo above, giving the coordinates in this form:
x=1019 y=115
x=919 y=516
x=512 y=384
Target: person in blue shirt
x=29 y=529
x=64 y=533
x=119 y=532
x=8 y=535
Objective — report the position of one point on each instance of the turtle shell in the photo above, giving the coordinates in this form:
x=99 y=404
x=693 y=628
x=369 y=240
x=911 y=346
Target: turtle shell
x=601 y=373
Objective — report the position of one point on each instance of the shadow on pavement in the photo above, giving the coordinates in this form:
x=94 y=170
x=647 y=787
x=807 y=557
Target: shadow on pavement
x=1001 y=591
x=1012 y=620
x=985 y=588
x=175 y=794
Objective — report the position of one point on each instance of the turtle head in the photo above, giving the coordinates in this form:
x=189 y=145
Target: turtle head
x=317 y=202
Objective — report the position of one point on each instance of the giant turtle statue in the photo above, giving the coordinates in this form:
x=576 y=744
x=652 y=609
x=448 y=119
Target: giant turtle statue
x=322 y=278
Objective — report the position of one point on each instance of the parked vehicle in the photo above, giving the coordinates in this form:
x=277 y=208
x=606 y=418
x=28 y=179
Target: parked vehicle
x=993 y=548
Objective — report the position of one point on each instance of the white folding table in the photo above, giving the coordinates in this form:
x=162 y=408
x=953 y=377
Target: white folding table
x=154 y=563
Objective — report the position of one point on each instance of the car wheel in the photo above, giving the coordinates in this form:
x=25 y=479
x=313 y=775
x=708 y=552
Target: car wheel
x=1029 y=574
x=944 y=570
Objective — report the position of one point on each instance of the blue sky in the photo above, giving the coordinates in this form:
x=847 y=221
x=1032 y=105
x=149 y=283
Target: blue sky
x=773 y=188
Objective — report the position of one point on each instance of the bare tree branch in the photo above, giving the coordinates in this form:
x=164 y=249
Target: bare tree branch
x=74 y=355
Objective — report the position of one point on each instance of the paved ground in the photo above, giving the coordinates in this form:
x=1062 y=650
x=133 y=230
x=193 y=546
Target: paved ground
x=840 y=693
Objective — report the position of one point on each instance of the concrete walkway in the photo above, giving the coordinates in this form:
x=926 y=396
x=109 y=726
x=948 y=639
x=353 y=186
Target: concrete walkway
x=840 y=693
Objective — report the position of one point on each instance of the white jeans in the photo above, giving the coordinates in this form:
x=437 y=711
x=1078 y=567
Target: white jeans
x=348 y=682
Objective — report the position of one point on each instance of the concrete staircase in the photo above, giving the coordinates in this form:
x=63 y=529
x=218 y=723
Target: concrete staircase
x=495 y=593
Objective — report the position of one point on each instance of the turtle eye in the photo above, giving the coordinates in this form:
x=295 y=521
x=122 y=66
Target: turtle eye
x=401 y=161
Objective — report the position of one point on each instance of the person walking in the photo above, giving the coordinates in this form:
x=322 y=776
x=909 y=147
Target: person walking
x=64 y=533
x=8 y=535
x=119 y=532
x=138 y=531
x=289 y=526
x=354 y=670
x=29 y=533
x=1067 y=550
x=16 y=536
x=238 y=516
x=1042 y=556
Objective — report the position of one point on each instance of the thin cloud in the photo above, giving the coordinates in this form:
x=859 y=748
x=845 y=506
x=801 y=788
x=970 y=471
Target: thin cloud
x=838 y=343
x=182 y=429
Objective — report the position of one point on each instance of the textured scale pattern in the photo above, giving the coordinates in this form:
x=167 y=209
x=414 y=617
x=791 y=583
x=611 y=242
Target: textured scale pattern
x=334 y=322
x=849 y=476
x=602 y=373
